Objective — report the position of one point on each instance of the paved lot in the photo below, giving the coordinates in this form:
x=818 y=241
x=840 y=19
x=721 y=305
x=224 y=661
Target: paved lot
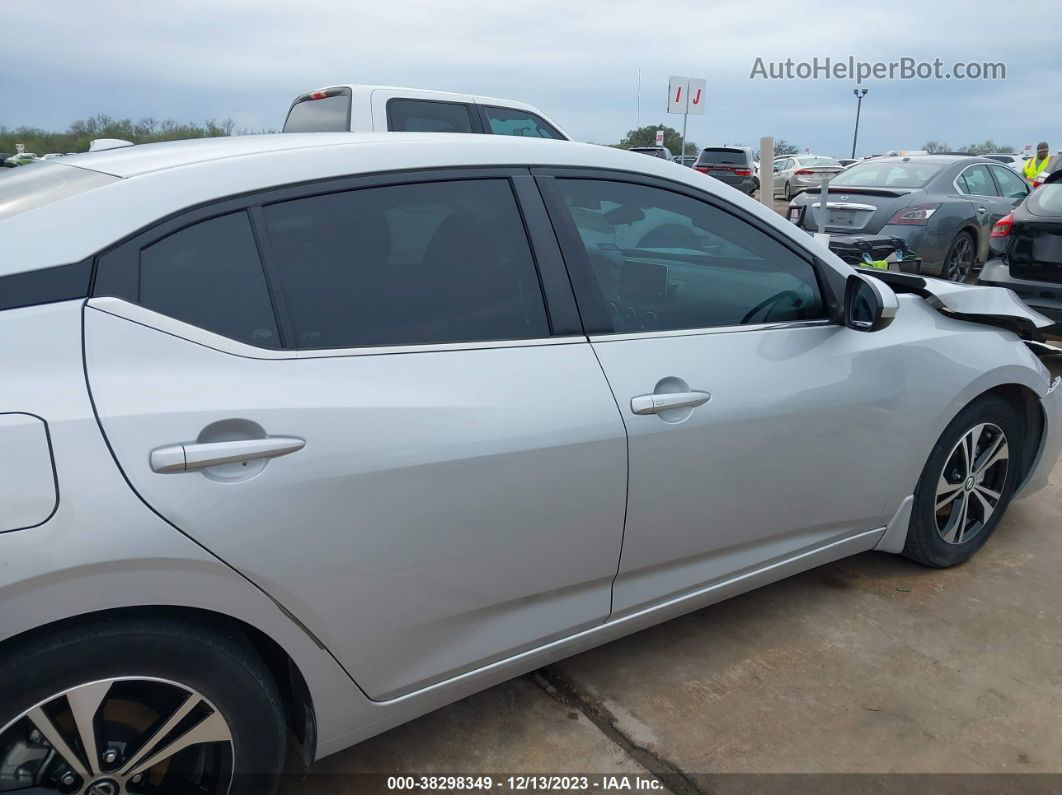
x=869 y=665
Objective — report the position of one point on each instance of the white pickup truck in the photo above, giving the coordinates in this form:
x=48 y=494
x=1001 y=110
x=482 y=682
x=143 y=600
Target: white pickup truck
x=367 y=108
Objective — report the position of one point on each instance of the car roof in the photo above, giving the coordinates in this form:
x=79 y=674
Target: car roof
x=363 y=90
x=944 y=160
x=157 y=180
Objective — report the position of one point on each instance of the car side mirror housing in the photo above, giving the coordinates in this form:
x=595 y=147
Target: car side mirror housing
x=869 y=303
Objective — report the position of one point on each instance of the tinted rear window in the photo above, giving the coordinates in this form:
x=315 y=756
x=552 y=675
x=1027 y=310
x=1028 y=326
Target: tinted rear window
x=1047 y=200
x=330 y=114
x=729 y=157
x=817 y=161
x=419 y=115
x=407 y=264
x=210 y=275
x=880 y=174
x=36 y=185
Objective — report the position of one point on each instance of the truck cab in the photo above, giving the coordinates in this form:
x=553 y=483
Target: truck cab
x=359 y=108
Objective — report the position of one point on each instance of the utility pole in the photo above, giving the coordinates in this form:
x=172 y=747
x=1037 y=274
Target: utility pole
x=860 y=93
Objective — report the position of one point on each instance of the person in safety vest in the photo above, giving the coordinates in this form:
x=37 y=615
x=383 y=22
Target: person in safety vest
x=1038 y=162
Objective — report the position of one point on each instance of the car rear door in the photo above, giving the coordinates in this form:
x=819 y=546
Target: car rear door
x=977 y=184
x=758 y=430
x=408 y=448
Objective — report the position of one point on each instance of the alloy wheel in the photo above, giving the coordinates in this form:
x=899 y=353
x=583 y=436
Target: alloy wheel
x=960 y=260
x=971 y=484
x=122 y=736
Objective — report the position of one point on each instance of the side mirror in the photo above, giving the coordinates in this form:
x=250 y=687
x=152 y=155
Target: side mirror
x=869 y=303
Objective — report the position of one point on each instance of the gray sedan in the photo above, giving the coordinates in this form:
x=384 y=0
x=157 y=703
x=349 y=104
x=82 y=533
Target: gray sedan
x=348 y=426
x=944 y=206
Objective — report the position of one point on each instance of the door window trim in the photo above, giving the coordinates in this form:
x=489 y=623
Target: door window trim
x=591 y=306
x=116 y=271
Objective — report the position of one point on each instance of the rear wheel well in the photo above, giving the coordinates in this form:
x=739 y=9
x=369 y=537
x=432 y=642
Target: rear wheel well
x=295 y=694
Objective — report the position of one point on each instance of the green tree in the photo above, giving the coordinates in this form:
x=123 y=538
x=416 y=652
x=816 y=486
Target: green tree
x=646 y=136
x=77 y=137
x=936 y=146
x=986 y=147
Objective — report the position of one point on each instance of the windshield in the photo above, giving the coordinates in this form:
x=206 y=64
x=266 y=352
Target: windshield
x=887 y=174
x=41 y=183
x=817 y=160
x=731 y=157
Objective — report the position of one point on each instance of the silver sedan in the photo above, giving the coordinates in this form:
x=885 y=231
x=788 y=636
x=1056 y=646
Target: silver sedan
x=303 y=436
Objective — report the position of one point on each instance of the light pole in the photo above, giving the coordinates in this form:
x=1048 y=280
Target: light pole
x=860 y=93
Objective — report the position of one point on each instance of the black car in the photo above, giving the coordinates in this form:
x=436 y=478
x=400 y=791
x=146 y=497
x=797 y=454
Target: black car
x=3 y=157
x=944 y=206
x=1028 y=251
x=730 y=164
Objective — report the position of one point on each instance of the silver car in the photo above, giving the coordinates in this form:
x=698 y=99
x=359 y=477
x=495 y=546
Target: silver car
x=795 y=173
x=307 y=435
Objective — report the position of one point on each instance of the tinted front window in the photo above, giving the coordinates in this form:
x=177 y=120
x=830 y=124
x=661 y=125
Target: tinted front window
x=729 y=157
x=418 y=115
x=210 y=275
x=977 y=181
x=330 y=114
x=1010 y=184
x=407 y=264
x=662 y=260
x=887 y=174
x=508 y=121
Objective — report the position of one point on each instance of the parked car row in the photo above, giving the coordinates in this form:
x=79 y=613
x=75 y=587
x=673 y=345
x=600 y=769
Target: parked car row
x=1026 y=247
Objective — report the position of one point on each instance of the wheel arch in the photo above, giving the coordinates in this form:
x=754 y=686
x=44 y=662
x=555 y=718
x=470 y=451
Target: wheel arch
x=299 y=709
x=1030 y=411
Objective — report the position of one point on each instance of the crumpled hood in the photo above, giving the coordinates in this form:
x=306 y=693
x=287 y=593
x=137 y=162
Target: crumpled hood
x=995 y=306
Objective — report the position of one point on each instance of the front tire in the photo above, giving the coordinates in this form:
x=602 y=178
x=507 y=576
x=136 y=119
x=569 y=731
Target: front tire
x=787 y=191
x=136 y=705
x=966 y=485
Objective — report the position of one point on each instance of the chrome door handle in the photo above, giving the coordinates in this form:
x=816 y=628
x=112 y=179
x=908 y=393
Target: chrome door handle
x=981 y=209
x=201 y=455
x=662 y=401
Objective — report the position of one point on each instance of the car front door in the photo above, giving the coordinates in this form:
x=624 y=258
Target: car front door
x=1012 y=188
x=758 y=430
x=410 y=455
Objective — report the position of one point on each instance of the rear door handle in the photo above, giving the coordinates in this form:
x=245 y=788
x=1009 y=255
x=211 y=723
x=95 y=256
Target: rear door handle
x=201 y=455
x=661 y=401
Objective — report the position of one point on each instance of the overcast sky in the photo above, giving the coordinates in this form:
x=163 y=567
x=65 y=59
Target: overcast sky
x=577 y=60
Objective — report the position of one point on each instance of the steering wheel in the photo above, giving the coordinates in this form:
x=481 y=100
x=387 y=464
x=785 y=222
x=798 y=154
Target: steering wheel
x=769 y=304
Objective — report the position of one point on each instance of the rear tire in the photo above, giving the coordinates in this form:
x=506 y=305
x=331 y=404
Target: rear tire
x=959 y=261
x=957 y=505
x=130 y=676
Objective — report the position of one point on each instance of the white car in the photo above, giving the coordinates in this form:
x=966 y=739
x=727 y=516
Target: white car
x=1012 y=161
x=795 y=173
x=360 y=108
x=303 y=436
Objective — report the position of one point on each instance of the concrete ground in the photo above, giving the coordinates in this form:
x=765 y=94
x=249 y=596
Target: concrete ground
x=871 y=665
